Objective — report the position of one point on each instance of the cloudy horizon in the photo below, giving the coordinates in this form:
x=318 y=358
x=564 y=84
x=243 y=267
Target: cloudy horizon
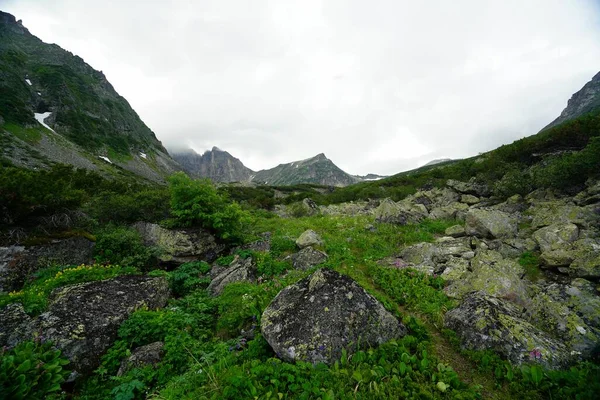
x=379 y=88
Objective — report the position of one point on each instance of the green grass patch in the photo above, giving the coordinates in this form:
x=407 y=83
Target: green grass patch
x=29 y=135
x=531 y=263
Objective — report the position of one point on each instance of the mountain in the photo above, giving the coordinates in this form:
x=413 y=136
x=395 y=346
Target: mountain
x=318 y=170
x=582 y=102
x=216 y=164
x=56 y=108
x=438 y=161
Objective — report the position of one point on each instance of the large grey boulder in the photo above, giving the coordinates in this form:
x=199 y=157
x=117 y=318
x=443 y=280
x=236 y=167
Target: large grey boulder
x=472 y=187
x=555 y=236
x=570 y=312
x=484 y=322
x=309 y=238
x=546 y=213
x=82 y=320
x=307 y=258
x=179 y=246
x=240 y=270
x=401 y=213
x=17 y=263
x=493 y=275
x=491 y=224
x=316 y=318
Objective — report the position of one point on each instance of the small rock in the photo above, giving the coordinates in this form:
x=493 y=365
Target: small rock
x=307 y=258
x=491 y=224
x=469 y=199
x=455 y=231
x=150 y=354
x=309 y=238
x=240 y=270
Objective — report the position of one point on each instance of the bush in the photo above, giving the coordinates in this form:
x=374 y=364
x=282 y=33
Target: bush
x=189 y=277
x=31 y=370
x=197 y=203
x=120 y=245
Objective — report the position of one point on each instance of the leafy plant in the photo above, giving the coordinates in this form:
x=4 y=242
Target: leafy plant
x=121 y=245
x=189 y=277
x=31 y=370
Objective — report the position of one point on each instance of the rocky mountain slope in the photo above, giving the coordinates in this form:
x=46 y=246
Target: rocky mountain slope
x=56 y=108
x=582 y=102
x=215 y=164
x=319 y=170
x=220 y=166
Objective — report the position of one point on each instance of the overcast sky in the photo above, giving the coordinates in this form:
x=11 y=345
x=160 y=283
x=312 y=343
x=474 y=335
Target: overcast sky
x=378 y=86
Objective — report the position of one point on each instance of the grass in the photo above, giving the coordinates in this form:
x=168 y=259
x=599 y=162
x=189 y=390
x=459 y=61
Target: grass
x=29 y=135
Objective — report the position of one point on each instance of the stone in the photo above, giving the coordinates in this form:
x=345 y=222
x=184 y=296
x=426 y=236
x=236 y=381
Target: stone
x=455 y=231
x=555 y=236
x=472 y=187
x=484 y=322
x=179 y=246
x=150 y=354
x=455 y=269
x=450 y=211
x=82 y=320
x=12 y=316
x=556 y=258
x=309 y=238
x=548 y=213
x=240 y=270
x=469 y=199
x=17 y=263
x=401 y=213
x=491 y=224
x=570 y=312
x=492 y=275
x=307 y=258
x=324 y=313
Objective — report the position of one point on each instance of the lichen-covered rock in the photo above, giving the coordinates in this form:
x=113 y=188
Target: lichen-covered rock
x=556 y=258
x=309 y=238
x=455 y=231
x=82 y=320
x=12 y=316
x=455 y=269
x=586 y=264
x=150 y=354
x=307 y=258
x=548 y=213
x=435 y=197
x=492 y=224
x=17 y=263
x=469 y=199
x=555 y=236
x=240 y=270
x=401 y=213
x=484 y=322
x=179 y=246
x=472 y=187
x=571 y=312
x=316 y=318
x=493 y=275
x=427 y=257
x=450 y=211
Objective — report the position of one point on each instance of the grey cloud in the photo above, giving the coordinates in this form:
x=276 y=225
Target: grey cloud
x=377 y=86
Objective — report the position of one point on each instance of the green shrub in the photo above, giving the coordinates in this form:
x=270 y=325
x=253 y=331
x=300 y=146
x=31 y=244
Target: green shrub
x=531 y=263
x=189 y=277
x=267 y=265
x=121 y=245
x=197 y=203
x=31 y=370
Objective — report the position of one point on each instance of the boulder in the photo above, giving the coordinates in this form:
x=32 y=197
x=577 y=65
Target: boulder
x=450 y=211
x=240 y=270
x=179 y=246
x=401 y=213
x=548 y=213
x=556 y=258
x=555 y=236
x=469 y=199
x=455 y=231
x=484 y=322
x=319 y=316
x=472 y=187
x=426 y=257
x=309 y=238
x=434 y=198
x=491 y=224
x=17 y=263
x=492 y=275
x=82 y=320
x=150 y=354
x=13 y=316
x=307 y=258
x=570 y=312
